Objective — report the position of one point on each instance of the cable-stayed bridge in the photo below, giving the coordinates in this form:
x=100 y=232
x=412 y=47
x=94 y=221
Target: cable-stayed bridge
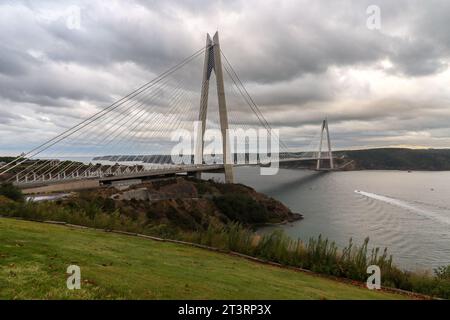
x=147 y=132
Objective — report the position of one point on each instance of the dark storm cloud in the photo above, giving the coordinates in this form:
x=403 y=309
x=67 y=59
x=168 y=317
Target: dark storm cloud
x=279 y=42
x=7 y=117
x=426 y=49
x=286 y=52
x=14 y=62
x=283 y=43
x=47 y=90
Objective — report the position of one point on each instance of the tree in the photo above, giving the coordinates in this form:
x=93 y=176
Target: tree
x=11 y=191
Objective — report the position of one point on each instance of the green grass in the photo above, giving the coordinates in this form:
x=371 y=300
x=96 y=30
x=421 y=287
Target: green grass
x=34 y=257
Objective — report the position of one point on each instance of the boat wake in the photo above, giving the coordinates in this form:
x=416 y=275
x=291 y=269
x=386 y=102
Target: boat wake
x=408 y=206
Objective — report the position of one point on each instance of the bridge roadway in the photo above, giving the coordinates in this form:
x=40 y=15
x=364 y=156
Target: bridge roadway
x=163 y=172
x=96 y=181
x=190 y=169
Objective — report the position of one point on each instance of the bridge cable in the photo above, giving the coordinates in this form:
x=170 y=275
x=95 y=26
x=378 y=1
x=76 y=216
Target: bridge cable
x=113 y=106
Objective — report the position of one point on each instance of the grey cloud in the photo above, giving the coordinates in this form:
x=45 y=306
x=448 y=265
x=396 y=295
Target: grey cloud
x=283 y=52
x=7 y=117
x=418 y=58
x=14 y=62
x=48 y=89
x=279 y=43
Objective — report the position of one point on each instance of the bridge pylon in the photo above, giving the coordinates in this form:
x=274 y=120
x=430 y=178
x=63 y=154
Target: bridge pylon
x=213 y=61
x=330 y=152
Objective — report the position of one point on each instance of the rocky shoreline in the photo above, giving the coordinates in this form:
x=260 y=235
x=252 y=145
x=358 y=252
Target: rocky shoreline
x=191 y=204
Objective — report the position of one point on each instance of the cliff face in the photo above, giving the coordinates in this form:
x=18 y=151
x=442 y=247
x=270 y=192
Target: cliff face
x=190 y=204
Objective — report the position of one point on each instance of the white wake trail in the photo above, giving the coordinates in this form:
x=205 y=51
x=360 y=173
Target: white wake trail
x=407 y=206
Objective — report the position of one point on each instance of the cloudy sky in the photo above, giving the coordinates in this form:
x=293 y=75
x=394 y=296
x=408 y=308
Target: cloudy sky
x=300 y=60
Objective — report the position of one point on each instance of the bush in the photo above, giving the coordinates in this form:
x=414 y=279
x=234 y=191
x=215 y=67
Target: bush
x=242 y=208
x=12 y=192
x=443 y=272
x=322 y=256
x=319 y=255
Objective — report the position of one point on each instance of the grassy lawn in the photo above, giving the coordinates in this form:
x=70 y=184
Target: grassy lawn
x=34 y=258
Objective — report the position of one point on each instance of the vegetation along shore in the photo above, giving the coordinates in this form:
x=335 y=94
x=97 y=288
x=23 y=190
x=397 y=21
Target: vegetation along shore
x=218 y=215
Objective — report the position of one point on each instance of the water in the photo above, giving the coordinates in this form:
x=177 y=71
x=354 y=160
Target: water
x=409 y=213
x=40 y=198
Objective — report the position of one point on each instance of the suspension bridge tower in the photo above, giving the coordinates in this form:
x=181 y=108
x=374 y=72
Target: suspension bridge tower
x=213 y=62
x=324 y=128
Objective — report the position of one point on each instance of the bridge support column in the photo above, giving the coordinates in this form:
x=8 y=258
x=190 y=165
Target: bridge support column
x=207 y=69
x=213 y=61
x=330 y=152
x=198 y=175
x=228 y=164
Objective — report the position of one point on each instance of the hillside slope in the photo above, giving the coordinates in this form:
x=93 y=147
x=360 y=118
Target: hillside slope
x=183 y=205
x=386 y=159
x=399 y=159
x=34 y=257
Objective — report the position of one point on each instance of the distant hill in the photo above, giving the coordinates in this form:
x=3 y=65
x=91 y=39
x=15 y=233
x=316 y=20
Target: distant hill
x=385 y=159
x=397 y=159
x=6 y=159
x=367 y=159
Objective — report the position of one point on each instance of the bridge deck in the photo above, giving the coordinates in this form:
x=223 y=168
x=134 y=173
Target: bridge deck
x=163 y=172
x=153 y=173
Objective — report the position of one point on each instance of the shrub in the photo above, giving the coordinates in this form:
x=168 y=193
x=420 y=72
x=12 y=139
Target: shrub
x=202 y=187
x=443 y=272
x=242 y=208
x=12 y=192
x=318 y=254
x=322 y=256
